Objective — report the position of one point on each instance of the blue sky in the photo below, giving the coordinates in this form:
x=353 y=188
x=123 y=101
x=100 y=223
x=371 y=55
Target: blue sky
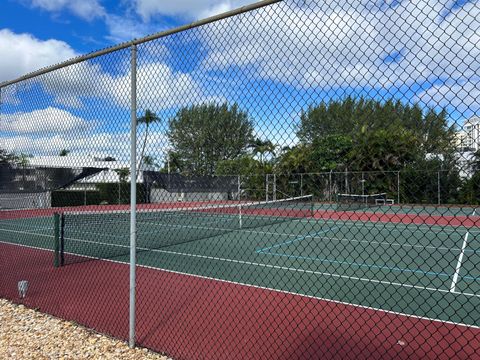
x=84 y=26
x=274 y=62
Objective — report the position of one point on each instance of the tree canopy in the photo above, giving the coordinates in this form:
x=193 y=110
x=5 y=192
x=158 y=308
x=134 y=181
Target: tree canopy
x=7 y=157
x=203 y=135
x=368 y=135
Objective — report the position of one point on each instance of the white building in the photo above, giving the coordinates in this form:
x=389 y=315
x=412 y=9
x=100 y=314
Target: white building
x=109 y=175
x=471 y=139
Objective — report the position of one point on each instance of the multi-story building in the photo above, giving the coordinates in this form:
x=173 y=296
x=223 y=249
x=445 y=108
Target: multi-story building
x=471 y=139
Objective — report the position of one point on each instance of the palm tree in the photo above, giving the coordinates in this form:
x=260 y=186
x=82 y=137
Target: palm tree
x=262 y=148
x=123 y=174
x=148 y=118
x=150 y=161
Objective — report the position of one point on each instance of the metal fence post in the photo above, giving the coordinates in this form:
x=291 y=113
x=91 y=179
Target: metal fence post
x=438 y=187
x=330 y=187
x=266 y=187
x=398 y=187
x=133 y=194
x=274 y=195
x=239 y=187
x=301 y=184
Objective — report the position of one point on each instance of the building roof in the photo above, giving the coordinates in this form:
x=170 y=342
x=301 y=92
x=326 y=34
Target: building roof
x=475 y=120
x=109 y=175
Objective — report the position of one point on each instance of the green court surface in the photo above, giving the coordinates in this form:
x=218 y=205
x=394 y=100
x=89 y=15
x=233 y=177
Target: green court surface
x=420 y=270
x=428 y=210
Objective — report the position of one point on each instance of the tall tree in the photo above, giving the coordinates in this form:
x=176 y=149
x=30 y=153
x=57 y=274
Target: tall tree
x=263 y=147
x=23 y=161
x=7 y=157
x=150 y=161
x=380 y=131
x=202 y=135
x=251 y=172
x=148 y=118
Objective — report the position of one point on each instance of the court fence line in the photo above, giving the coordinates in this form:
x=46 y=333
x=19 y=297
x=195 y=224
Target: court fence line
x=243 y=187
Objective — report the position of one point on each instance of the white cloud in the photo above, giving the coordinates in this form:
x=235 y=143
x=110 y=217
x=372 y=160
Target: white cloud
x=47 y=131
x=462 y=94
x=191 y=9
x=158 y=86
x=23 y=53
x=338 y=45
x=161 y=87
x=84 y=143
x=86 y=9
x=74 y=83
x=125 y=28
x=50 y=120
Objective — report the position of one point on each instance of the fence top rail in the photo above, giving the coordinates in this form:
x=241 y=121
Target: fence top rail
x=195 y=24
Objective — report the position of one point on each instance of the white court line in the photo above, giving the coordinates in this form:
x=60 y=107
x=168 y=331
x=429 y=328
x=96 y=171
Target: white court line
x=278 y=267
x=281 y=267
x=31 y=228
x=394 y=227
x=312 y=237
x=276 y=290
x=166 y=225
x=24 y=233
x=294 y=235
x=459 y=262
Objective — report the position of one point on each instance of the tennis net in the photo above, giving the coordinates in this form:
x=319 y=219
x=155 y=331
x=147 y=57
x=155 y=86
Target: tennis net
x=356 y=201
x=105 y=234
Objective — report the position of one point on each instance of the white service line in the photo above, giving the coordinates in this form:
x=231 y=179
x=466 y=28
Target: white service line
x=25 y=233
x=278 y=267
x=460 y=259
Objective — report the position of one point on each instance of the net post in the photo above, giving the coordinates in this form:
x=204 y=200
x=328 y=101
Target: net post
x=62 y=239
x=133 y=194
x=56 y=237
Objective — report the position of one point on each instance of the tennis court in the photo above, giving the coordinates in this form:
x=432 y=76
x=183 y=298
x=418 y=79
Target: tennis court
x=408 y=268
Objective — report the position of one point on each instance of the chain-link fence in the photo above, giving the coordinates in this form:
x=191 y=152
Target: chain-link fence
x=299 y=178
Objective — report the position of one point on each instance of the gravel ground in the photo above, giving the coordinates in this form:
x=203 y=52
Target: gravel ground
x=28 y=334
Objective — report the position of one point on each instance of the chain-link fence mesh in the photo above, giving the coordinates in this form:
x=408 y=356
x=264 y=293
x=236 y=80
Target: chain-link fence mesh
x=307 y=181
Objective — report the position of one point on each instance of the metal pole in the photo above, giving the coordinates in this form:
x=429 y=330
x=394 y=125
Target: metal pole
x=274 y=187
x=266 y=187
x=398 y=187
x=301 y=184
x=133 y=194
x=244 y=9
x=168 y=161
x=438 y=187
x=239 y=187
x=330 y=187
x=346 y=181
x=363 y=187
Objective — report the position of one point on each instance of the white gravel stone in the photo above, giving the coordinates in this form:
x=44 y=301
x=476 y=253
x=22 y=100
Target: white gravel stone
x=28 y=334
